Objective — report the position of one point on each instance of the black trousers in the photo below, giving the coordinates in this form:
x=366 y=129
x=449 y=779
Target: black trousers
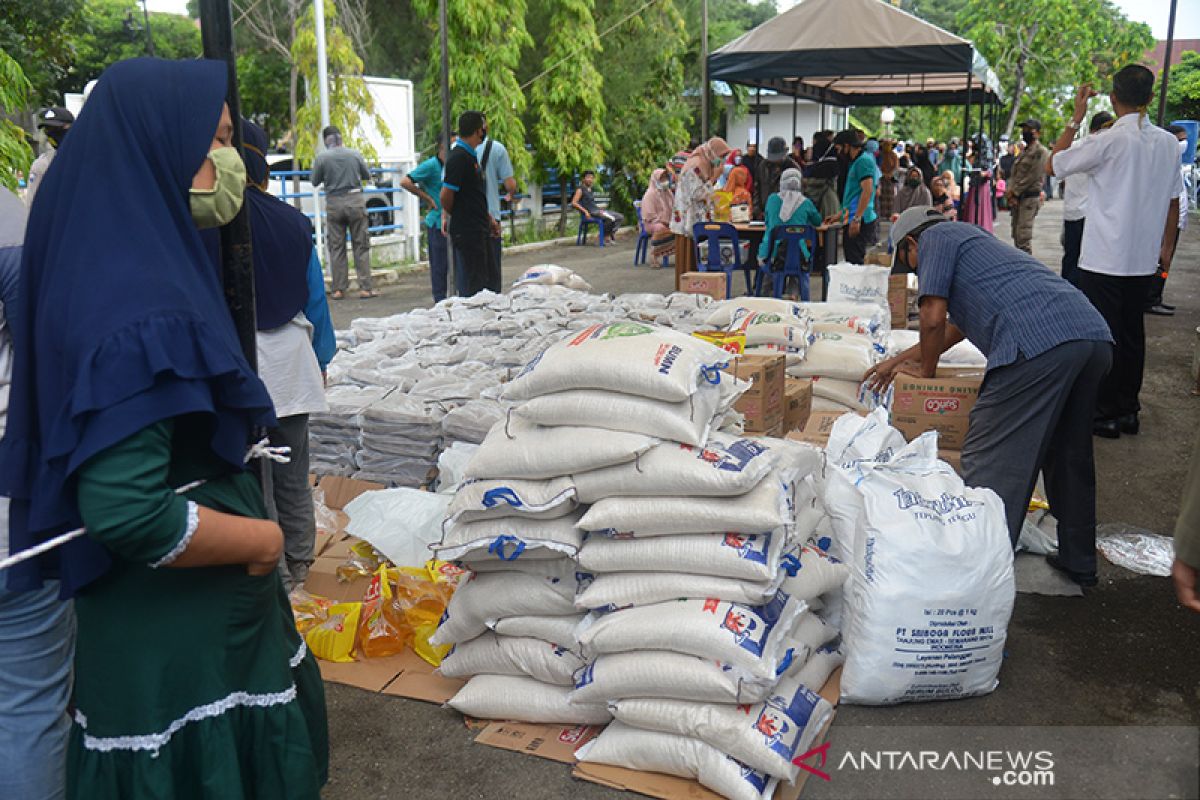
x=1122 y=302
x=1036 y=415
x=854 y=248
x=475 y=263
x=1072 y=242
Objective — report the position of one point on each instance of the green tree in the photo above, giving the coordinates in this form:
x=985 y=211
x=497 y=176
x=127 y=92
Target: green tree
x=349 y=98
x=567 y=99
x=643 y=70
x=942 y=13
x=1034 y=47
x=15 y=155
x=1183 y=91
x=727 y=20
x=263 y=81
x=485 y=40
x=38 y=34
x=109 y=31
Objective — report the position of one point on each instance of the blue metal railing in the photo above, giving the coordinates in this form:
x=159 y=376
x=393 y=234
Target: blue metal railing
x=372 y=210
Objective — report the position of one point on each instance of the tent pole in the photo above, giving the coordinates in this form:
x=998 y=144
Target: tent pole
x=757 y=117
x=1166 y=69
x=704 y=70
x=795 y=103
x=966 y=119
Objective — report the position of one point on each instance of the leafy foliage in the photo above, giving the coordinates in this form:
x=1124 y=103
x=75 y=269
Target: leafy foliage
x=263 y=79
x=109 y=31
x=38 y=35
x=486 y=39
x=643 y=69
x=1183 y=90
x=349 y=98
x=567 y=100
x=1035 y=46
x=15 y=155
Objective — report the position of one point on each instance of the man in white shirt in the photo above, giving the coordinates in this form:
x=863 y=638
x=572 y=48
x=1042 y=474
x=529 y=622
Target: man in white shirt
x=498 y=171
x=1133 y=214
x=1075 y=192
x=1155 y=304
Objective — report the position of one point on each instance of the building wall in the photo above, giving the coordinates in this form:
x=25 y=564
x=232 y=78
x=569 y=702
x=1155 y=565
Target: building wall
x=778 y=122
x=1154 y=56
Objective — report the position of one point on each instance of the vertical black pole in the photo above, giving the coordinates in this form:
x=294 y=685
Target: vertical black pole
x=149 y=34
x=1166 y=76
x=795 y=103
x=237 y=266
x=444 y=39
x=758 y=118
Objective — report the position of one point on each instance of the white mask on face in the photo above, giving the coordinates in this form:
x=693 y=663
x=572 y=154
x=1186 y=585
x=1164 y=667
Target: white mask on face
x=1183 y=143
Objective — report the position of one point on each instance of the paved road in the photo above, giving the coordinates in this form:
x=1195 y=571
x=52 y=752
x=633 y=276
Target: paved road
x=1124 y=655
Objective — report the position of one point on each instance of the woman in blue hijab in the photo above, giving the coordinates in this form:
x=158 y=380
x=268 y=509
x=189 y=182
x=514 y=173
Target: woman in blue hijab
x=131 y=410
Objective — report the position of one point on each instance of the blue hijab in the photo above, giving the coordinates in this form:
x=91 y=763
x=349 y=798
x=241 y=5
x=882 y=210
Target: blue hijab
x=122 y=322
x=281 y=240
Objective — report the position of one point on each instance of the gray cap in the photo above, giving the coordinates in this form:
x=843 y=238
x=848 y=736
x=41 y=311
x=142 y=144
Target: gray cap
x=908 y=222
x=777 y=149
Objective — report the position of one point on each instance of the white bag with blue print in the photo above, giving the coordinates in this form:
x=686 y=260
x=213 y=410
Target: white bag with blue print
x=746 y=556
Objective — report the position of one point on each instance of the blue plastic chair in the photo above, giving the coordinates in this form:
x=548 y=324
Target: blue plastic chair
x=584 y=223
x=796 y=265
x=714 y=233
x=642 y=251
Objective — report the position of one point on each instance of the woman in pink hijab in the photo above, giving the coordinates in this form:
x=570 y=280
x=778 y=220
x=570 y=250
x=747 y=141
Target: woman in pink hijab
x=657 y=205
x=692 y=195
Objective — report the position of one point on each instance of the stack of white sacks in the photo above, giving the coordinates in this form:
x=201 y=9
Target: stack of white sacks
x=696 y=573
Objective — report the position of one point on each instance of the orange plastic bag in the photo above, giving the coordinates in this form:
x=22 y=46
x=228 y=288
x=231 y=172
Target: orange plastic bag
x=309 y=609
x=383 y=630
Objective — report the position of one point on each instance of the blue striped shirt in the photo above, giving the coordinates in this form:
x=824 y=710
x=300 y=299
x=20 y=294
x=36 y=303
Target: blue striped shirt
x=1006 y=302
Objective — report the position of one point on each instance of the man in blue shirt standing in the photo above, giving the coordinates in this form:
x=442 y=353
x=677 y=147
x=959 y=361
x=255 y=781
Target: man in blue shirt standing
x=497 y=171
x=425 y=181
x=465 y=214
x=858 y=197
x=1047 y=349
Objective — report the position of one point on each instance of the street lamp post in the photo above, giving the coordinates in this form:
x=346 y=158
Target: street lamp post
x=887 y=117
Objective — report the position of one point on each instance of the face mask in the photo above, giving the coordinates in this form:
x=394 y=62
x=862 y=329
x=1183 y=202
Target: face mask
x=664 y=186
x=738 y=161
x=912 y=183
x=218 y=206
x=1027 y=136
x=716 y=162
x=1183 y=143
x=56 y=135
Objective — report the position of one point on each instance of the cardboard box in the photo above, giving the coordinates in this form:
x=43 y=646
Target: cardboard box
x=710 y=283
x=729 y=342
x=667 y=787
x=898 y=300
x=798 y=396
x=763 y=405
x=934 y=404
x=323 y=581
x=418 y=681
x=555 y=742
x=372 y=674
x=339 y=491
x=953 y=458
x=816 y=430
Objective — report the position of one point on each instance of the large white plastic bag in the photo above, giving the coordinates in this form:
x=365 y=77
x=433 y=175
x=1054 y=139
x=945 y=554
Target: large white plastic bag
x=725 y=466
x=519 y=449
x=765 y=737
x=510 y=538
x=688 y=421
x=492 y=595
x=651 y=751
x=557 y=630
x=750 y=557
x=858 y=283
x=523 y=699
x=491 y=654
x=817 y=668
x=626 y=357
x=552 y=275
x=554 y=565
x=931 y=588
x=400 y=523
x=661 y=673
x=617 y=590
x=512 y=497
x=764 y=508
x=768 y=328
x=751 y=639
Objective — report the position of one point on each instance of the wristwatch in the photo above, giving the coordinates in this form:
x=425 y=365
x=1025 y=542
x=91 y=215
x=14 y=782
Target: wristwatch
x=1073 y=125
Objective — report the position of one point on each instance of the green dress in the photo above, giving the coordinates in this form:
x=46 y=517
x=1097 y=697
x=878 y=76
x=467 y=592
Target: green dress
x=189 y=682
